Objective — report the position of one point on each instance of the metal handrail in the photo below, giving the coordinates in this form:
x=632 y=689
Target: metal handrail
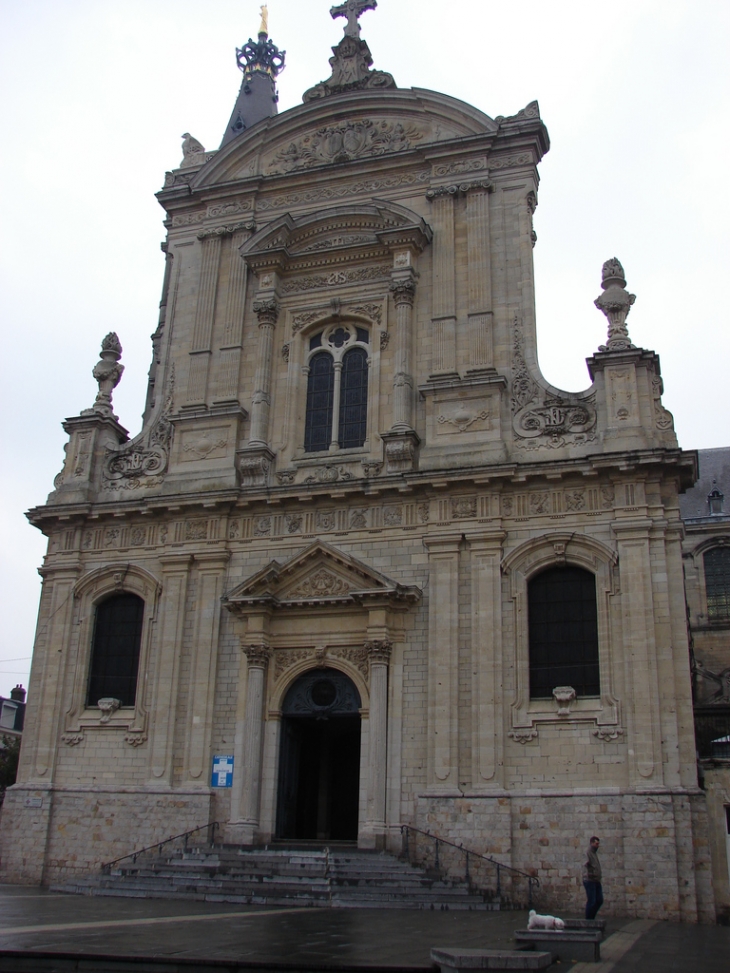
x=531 y=879
x=106 y=866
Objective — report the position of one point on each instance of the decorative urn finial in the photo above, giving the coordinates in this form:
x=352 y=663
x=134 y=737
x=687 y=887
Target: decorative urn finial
x=107 y=373
x=615 y=302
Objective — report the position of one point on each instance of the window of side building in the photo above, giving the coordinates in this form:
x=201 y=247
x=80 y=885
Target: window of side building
x=717 y=583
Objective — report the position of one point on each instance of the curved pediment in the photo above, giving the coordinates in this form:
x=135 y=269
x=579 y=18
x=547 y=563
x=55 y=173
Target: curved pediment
x=370 y=224
x=318 y=575
x=343 y=129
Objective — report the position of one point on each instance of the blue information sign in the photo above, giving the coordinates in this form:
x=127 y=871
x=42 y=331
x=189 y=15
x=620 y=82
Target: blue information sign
x=222 y=770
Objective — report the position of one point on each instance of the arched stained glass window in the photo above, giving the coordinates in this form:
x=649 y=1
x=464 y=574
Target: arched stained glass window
x=563 y=632
x=320 y=392
x=353 y=399
x=717 y=583
x=115 y=649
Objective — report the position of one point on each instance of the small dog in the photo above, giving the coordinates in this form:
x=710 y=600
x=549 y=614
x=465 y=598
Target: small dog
x=545 y=922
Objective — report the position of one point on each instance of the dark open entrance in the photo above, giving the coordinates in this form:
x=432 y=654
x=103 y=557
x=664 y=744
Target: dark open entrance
x=319 y=760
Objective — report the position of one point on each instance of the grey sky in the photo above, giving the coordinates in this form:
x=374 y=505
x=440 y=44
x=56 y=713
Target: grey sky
x=96 y=95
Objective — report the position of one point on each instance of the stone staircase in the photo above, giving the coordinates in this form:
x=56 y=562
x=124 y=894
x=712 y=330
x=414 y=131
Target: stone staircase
x=338 y=878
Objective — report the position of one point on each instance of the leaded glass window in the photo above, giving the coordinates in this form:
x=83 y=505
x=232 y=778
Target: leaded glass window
x=337 y=389
x=320 y=392
x=353 y=399
x=563 y=632
x=115 y=649
x=717 y=583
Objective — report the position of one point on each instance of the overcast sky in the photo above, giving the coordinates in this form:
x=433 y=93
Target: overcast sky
x=96 y=94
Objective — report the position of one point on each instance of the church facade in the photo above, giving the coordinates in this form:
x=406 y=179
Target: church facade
x=362 y=554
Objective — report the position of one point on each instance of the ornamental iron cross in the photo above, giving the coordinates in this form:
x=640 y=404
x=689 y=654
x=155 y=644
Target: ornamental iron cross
x=353 y=9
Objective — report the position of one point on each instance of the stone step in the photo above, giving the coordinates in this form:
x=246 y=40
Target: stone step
x=340 y=878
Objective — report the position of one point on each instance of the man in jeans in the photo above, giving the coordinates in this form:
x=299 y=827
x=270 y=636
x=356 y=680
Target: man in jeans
x=592 y=880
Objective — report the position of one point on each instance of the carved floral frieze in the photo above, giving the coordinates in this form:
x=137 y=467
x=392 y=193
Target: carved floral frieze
x=345 y=142
x=360 y=188
x=321 y=584
x=314 y=281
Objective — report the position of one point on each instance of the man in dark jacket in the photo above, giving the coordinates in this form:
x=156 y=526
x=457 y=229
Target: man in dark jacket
x=592 y=880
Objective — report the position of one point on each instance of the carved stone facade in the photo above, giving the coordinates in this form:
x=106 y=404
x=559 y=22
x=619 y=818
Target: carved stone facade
x=401 y=222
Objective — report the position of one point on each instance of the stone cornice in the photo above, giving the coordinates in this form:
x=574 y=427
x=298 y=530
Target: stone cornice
x=634 y=465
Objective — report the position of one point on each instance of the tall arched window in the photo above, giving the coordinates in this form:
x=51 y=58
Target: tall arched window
x=115 y=649
x=717 y=583
x=563 y=632
x=320 y=390
x=353 y=398
x=337 y=389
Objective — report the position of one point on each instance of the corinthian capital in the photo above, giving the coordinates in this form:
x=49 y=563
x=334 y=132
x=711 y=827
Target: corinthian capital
x=267 y=311
x=257 y=653
x=379 y=650
x=403 y=291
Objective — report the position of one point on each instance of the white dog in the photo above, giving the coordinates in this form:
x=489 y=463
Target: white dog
x=545 y=922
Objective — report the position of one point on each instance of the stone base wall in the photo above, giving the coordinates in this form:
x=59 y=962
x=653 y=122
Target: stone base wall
x=654 y=849
x=49 y=835
x=717 y=788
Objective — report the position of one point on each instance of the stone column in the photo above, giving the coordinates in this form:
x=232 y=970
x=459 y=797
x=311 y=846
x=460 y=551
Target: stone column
x=443 y=664
x=175 y=571
x=639 y=639
x=444 y=284
x=231 y=344
x=478 y=243
x=254 y=461
x=379 y=651
x=486 y=653
x=203 y=664
x=49 y=658
x=403 y=290
x=267 y=312
x=335 y=438
x=203 y=330
x=258 y=655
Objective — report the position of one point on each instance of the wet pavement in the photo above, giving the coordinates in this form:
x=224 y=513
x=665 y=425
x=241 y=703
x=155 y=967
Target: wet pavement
x=35 y=921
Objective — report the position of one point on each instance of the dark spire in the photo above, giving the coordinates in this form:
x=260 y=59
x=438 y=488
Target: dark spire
x=260 y=61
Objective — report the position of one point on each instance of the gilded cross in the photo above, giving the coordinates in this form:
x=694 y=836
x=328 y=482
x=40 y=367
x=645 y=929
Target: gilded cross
x=353 y=9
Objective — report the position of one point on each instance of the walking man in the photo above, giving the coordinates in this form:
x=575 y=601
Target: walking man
x=592 y=880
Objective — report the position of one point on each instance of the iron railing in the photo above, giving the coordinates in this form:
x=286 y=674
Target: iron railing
x=185 y=835
x=471 y=858
x=712 y=731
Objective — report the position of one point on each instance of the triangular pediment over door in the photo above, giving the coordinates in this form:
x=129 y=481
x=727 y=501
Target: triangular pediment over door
x=319 y=575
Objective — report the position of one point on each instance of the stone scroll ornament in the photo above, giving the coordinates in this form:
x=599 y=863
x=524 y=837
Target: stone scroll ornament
x=539 y=419
x=143 y=461
x=615 y=302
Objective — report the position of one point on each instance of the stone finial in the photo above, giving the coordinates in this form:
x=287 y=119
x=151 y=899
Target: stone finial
x=615 y=302
x=352 y=58
x=107 y=373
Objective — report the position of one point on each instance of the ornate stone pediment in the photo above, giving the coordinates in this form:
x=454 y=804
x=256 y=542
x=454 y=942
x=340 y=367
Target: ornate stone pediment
x=369 y=125
x=376 y=226
x=318 y=575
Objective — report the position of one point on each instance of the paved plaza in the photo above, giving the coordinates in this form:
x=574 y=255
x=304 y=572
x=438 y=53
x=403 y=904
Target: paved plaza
x=35 y=921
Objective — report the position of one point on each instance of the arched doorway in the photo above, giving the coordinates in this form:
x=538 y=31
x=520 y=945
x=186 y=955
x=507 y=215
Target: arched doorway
x=319 y=759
